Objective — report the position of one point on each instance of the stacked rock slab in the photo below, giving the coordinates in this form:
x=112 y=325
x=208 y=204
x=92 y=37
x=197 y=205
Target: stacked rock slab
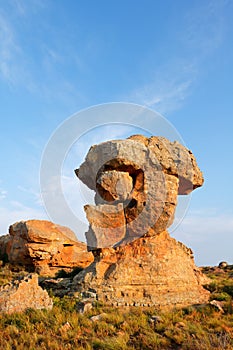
x=44 y=247
x=137 y=181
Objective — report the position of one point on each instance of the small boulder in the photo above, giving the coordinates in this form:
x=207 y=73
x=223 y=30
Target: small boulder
x=99 y=317
x=24 y=293
x=222 y=264
x=155 y=319
x=218 y=305
x=84 y=306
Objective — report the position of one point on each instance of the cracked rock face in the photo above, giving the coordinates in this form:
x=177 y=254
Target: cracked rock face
x=137 y=182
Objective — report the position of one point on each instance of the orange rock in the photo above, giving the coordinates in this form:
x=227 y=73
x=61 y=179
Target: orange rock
x=22 y=294
x=151 y=271
x=136 y=261
x=45 y=247
x=145 y=175
x=107 y=225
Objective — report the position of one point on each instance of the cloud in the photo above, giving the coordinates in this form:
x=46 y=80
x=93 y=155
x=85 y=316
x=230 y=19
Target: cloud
x=17 y=211
x=33 y=193
x=23 y=8
x=209 y=234
x=164 y=94
x=39 y=66
x=3 y=194
x=9 y=51
x=170 y=84
x=205 y=27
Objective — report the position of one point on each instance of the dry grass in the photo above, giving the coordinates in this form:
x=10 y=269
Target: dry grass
x=122 y=328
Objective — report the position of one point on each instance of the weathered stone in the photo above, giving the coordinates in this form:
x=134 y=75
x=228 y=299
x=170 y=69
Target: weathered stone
x=175 y=159
x=155 y=270
x=107 y=225
x=99 y=317
x=115 y=185
x=222 y=264
x=84 y=306
x=22 y=294
x=44 y=247
x=218 y=305
x=158 y=169
x=136 y=261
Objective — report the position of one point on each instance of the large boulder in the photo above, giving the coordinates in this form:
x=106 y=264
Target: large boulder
x=137 y=182
x=24 y=293
x=151 y=271
x=44 y=247
x=144 y=175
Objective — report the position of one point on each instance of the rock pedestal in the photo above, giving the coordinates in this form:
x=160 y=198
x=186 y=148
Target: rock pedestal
x=137 y=182
x=151 y=271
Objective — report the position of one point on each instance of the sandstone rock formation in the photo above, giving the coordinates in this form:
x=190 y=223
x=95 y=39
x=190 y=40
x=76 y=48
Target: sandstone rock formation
x=44 y=247
x=137 y=181
x=22 y=294
x=150 y=271
x=153 y=171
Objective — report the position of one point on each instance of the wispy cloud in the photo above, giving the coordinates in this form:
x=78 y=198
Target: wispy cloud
x=17 y=212
x=209 y=234
x=33 y=193
x=36 y=65
x=205 y=27
x=9 y=51
x=3 y=194
x=164 y=94
x=22 y=7
x=171 y=84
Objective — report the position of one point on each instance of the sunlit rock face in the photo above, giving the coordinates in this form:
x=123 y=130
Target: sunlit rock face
x=137 y=182
x=24 y=293
x=44 y=247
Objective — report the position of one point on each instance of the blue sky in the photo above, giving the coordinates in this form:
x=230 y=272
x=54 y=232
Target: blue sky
x=175 y=57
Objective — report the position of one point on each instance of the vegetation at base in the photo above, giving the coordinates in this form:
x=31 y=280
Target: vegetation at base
x=133 y=328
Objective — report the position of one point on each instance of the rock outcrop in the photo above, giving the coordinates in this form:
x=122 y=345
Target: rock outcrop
x=44 y=247
x=24 y=293
x=153 y=171
x=151 y=271
x=137 y=182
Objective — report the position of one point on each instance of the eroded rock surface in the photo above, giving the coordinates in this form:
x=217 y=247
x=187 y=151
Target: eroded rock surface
x=151 y=271
x=144 y=175
x=137 y=182
x=44 y=247
x=24 y=293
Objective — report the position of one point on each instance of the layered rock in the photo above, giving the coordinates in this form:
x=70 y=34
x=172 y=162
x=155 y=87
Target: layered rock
x=151 y=271
x=44 y=247
x=144 y=175
x=137 y=182
x=22 y=294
